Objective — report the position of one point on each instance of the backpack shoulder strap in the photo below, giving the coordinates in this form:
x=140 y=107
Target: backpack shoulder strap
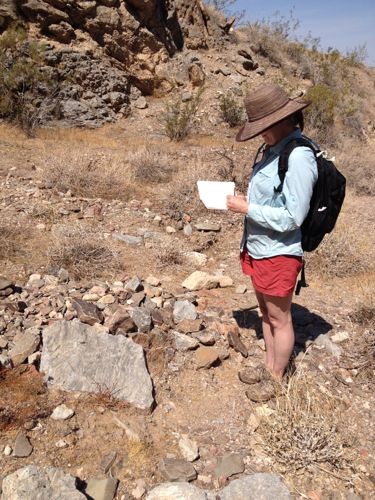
x=284 y=158
x=258 y=153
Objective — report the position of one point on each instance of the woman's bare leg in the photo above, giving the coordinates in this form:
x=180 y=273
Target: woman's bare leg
x=280 y=321
x=267 y=332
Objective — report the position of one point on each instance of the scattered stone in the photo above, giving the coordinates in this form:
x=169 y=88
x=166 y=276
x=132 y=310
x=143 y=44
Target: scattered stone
x=189 y=325
x=44 y=484
x=5 y=283
x=139 y=490
x=142 y=318
x=107 y=461
x=184 y=343
x=134 y=285
x=260 y=486
x=25 y=343
x=324 y=341
x=196 y=258
x=102 y=489
x=225 y=282
x=97 y=362
x=228 y=465
x=128 y=239
x=107 y=299
x=253 y=422
x=61 y=443
x=241 y=289
x=22 y=446
x=170 y=229
x=183 y=309
x=175 y=469
x=340 y=337
x=62 y=412
x=141 y=103
x=8 y=450
x=205 y=338
x=189 y=449
x=199 y=280
x=187 y=230
x=90 y=297
x=205 y=357
x=151 y=280
x=87 y=312
x=63 y=275
x=236 y=343
x=208 y=226
x=120 y=319
x=181 y=491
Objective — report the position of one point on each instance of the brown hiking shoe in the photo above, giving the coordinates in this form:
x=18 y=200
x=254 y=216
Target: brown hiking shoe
x=262 y=392
x=253 y=375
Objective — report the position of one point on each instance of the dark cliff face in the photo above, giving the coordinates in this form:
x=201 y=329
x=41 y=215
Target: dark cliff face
x=111 y=41
x=170 y=23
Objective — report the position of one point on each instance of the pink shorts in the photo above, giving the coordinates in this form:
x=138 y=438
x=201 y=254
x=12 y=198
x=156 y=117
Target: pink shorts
x=275 y=276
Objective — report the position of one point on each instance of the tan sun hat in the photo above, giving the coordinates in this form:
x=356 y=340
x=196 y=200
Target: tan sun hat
x=265 y=107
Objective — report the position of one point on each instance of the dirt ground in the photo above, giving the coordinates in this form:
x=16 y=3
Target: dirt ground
x=209 y=406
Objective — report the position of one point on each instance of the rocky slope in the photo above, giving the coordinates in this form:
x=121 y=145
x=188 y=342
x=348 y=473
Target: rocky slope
x=104 y=53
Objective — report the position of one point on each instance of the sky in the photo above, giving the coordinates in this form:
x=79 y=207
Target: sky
x=341 y=24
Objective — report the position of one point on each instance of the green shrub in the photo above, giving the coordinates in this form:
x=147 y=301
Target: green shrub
x=178 y=117
x=231 y=111
x=25 y=90
x=320 y=115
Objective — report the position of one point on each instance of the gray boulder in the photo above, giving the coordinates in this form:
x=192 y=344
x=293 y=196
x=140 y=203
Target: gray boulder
x=258 y=486
x=40 y=484
x=173 y=491
x=77 y=357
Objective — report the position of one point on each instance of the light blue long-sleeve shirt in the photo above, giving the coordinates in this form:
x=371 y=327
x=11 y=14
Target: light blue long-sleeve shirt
x=273 y=221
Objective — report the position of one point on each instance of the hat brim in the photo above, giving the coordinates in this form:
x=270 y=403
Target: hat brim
x=251 y=129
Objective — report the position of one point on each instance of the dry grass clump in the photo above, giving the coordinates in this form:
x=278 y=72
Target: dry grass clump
x=168 y=254
x=11 y=237
x=83 y=253
x=360 y=354
x=343 y=253
x=304 y=430
x=356 y=162
x=87 y=174
x=151 y=166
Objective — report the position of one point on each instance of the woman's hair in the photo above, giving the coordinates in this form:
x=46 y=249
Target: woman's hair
x=298 y=120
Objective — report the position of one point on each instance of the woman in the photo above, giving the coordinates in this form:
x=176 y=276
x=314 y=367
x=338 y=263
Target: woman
x=271 y=251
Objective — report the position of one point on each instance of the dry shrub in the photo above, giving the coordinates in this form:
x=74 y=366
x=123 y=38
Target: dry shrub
x=11 y=237
x=178 y=117
x=356 y=162
x=83 y=253
x=87 y=174
x=344 y=252
x=231 y=110
x=360 y=354
x=168 y=254
x=151 y=166
x=304 y=430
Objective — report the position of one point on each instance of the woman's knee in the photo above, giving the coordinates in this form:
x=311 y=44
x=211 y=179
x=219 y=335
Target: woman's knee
x=279 y=319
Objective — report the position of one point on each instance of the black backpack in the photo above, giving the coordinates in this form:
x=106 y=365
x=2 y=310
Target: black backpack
x=326 y=201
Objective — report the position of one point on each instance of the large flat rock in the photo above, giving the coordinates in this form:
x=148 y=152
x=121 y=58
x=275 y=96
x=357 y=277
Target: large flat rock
x=77 y=357
x=40 y=484
x=259 y=486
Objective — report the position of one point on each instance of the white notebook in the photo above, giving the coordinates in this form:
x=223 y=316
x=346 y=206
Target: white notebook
x=214 y=194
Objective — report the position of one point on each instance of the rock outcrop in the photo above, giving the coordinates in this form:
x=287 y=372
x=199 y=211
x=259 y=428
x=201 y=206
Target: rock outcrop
x=99 y=50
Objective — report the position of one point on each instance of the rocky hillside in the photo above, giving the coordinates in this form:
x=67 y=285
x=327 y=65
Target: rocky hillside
x=103 y=54
x=125 y=321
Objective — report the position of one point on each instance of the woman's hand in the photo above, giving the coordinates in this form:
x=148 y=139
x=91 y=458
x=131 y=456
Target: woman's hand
x=237 y=204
